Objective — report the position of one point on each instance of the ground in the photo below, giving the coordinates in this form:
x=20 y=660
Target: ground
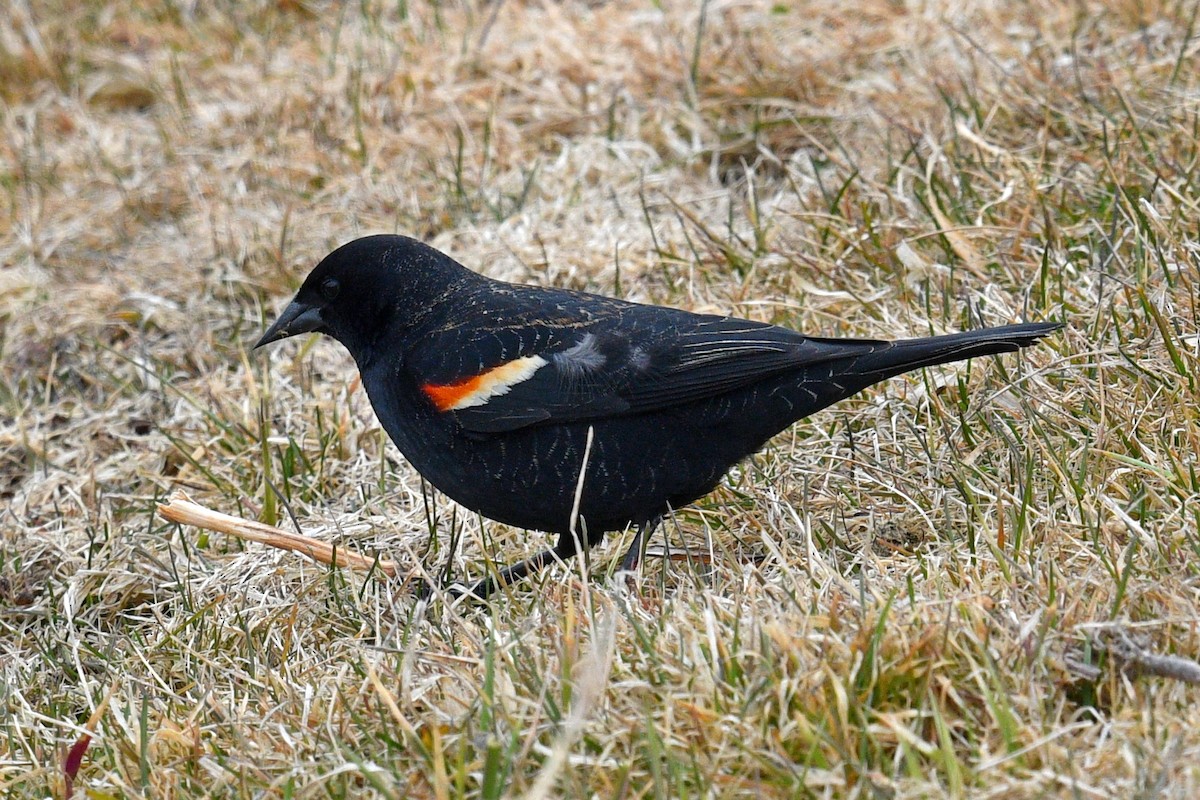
x=977 y=580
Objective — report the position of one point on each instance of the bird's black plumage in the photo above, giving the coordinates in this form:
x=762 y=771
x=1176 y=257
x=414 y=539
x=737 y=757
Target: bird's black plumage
x=489 y=389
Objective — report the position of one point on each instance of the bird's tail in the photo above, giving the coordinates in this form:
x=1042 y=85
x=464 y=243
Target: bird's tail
x=850 y=365
x=909 y=354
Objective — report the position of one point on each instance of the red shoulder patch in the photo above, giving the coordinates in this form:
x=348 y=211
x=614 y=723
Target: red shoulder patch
x=477 y=390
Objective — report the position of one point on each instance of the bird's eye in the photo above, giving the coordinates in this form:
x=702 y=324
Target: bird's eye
x=330 y=288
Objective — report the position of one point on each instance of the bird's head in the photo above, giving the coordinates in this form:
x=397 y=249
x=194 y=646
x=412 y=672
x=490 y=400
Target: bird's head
x=367 y=291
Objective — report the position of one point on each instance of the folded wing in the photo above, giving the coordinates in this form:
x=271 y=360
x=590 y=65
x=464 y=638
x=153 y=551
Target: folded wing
x=623 y=363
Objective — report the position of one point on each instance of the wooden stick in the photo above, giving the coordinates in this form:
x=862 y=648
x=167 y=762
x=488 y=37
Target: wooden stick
x=182 y=509
x=1134 y=658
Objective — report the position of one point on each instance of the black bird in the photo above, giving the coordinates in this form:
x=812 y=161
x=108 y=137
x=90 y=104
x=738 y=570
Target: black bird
x=501 y=394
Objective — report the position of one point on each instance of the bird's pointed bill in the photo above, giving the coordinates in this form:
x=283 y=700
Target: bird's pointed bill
x=296 y=318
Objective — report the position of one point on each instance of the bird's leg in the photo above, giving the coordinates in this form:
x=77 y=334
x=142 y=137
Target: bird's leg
x=561 y=552
x=637 y=548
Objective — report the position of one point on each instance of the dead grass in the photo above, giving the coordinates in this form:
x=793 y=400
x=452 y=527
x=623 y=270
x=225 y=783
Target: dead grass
x=939 y=587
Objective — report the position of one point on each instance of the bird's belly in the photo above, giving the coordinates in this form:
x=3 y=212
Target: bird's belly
x=517 y=478
x=637 y=466
x=529 y=478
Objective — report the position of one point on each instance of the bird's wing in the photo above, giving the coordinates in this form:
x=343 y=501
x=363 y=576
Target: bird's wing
x=635 y=360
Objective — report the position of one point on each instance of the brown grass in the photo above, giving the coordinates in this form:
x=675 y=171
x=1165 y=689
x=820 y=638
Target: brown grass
x=953 y=584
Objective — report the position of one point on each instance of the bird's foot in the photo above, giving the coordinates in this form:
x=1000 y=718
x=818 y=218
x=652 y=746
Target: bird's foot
x=455 y=590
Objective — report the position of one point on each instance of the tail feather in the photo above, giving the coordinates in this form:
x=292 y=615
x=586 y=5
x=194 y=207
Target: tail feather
x=852 y=365
x=909 y=354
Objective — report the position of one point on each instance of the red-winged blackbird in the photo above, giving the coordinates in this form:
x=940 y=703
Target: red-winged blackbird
x=494 y=390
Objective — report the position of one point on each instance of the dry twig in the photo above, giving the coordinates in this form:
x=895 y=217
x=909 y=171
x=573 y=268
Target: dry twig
x=1135 y=659
x=182 y=509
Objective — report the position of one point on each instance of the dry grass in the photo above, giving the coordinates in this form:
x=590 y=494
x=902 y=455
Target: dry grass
x=938 y=587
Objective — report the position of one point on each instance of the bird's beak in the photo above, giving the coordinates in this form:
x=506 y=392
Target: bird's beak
x=296 y=318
